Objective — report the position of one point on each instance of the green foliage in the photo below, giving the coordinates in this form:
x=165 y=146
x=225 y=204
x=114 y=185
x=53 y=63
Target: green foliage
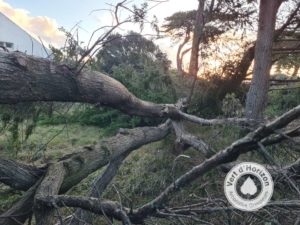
x=7 y=197
x=288 y=62
x=139 y=14
x=282 y=100
x=108 y=119
x=146 y=174
x=232 y=106
x=220 y=18
x=20 y=117
x=180 y=23
x=132 y=49
x=150 y=84
x=71 y=52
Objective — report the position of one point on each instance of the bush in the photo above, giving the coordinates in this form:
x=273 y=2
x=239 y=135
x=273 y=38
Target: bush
x=281 y=101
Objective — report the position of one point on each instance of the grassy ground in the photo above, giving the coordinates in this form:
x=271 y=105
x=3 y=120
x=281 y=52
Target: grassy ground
x=50 y=142
x=45 y=144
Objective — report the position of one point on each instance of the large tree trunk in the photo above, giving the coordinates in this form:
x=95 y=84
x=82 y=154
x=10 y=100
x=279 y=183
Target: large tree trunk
x=257 y=95
x=179 y=55
x=25 y=79
x=19 y=212
x=49 y=186
x=199 y=24
x=241 y=70
x=28 y=79
x=21 y=177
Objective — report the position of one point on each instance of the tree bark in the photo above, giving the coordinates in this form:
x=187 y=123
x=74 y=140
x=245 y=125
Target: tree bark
x=18 y=214
x=179 y=56
x=96 y=205
x=257 y=95
x=101 y=182
x=28 y=79
x=199 y=24
x=50 y=186
x=241 y=70
x=25 y=78
x=19 y=176
x=99 y=185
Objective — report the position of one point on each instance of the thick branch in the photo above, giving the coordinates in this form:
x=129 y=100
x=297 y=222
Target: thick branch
x=17 y=175
x=24 y=78
x=20 y=211
x=179 y=57
x=229 y=154
x=184 y=137
x=98 y=187
x=197 y=36
x=116 y=211
x=211 y=122
x=50 y=186
x=243 y=145
x=95 y=205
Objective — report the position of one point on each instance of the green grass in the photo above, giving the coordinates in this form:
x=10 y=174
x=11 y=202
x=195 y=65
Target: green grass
x=51 y=142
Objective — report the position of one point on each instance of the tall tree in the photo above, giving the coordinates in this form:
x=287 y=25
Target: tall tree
x=199 y=25
x=257 y=95
x=210 y=20
x=131 y=49
x=138 y=63
x=226 y=16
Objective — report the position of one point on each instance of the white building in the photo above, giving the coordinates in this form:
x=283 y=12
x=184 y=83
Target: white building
x=14 y=38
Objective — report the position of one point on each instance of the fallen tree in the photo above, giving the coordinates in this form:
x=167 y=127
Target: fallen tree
x=28 y=79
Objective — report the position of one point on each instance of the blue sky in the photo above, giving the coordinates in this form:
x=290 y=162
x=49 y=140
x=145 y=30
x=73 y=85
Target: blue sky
x=65 y=12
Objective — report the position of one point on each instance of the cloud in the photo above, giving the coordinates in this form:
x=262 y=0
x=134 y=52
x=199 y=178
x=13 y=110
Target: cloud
x=38 y=26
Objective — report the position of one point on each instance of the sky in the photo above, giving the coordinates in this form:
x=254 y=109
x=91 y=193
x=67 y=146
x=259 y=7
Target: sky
x=43 y=18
